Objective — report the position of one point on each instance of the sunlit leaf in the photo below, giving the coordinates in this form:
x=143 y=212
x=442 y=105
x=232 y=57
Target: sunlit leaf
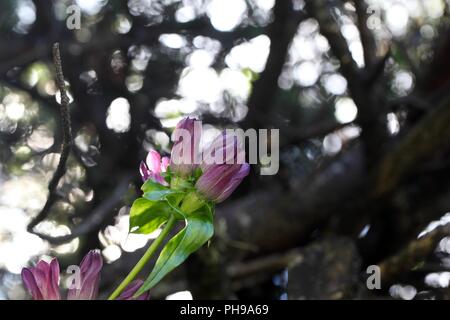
x=151 y=185
x=198 y=230
x=146 y=216
x=158 y=195
x=173 y=200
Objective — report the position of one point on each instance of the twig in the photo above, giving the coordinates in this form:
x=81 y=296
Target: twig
x=96 y=218
x=66 y=141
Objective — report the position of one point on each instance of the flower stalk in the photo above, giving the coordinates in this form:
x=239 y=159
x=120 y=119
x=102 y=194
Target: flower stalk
x=145 y=258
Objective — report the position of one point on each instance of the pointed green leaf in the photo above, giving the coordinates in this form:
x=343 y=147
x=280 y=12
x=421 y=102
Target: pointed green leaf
x=172 y=202
x=147 y=216
x=158 y=195
x=151 y=185
x=198 y=230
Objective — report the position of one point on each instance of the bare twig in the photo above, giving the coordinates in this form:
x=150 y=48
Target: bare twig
x=96 y=218
x=66 y=141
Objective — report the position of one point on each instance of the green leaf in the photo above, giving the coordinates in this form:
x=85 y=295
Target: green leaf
x=151 y=185
x=198 y=230
x=159 y=195
x=173 y=200
x=167 y=175
x=147 y=216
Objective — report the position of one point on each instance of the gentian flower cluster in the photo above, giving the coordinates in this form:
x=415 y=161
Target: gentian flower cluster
x=218 y=179
x=185 y=190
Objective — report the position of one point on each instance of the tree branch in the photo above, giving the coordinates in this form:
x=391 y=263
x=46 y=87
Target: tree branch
x=276 y=219
x=280 y=31
x=415 y=252
x=426 y=137
x=371 y=107
x=375 y=70
x=367 y=39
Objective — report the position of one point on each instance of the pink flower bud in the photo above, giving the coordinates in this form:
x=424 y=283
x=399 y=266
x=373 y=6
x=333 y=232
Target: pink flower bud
x=153 y=167
x=90 y=268
x=219 y=181
x=185 y=151
x=224 y=149
x=42 y=280
x=223 y=168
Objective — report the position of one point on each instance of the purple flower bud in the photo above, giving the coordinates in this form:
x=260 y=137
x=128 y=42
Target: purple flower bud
x=90 y=268
x=224 y=149
x=42 y=280
x=153 y=167
x=219 y=181
x=130 y=290
x=185 y=151
x=223 y=167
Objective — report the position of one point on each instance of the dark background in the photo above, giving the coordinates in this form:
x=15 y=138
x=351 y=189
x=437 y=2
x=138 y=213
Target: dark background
x=358 y=89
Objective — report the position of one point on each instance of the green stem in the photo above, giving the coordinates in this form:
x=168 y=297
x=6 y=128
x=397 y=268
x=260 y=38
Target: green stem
x=143 y=261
